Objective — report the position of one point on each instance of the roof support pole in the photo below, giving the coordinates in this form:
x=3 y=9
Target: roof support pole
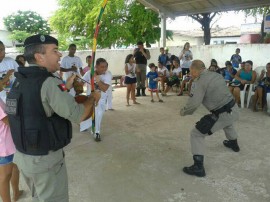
x=163 y=30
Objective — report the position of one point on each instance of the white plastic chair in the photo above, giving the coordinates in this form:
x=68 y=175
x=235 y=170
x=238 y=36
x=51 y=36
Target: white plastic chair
x=250 y=93
x=268 y=102
x=243 y=95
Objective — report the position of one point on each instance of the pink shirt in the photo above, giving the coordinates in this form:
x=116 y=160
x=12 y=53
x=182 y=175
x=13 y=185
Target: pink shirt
x=7 y=146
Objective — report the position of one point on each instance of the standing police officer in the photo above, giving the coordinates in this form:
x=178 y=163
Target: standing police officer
x=209 y=89
x=40 y=110
x=141 y=56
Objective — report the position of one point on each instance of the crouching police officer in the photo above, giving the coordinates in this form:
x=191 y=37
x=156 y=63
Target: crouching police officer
x=40 y=110
x=209 y=88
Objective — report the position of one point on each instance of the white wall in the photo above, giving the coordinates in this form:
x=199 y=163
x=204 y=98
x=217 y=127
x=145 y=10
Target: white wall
x=258 y=53
x=179 y=40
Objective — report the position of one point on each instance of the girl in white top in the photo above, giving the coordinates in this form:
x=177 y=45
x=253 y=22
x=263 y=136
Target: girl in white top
x=130 y=78
x=186 y=57
x=6 y=64
x=174 y=76
x=163 y=74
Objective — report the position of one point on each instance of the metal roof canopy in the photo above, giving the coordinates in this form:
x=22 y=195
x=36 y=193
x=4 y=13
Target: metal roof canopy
x=174 y=8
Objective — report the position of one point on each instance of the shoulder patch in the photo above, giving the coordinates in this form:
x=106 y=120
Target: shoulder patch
x=62 y=87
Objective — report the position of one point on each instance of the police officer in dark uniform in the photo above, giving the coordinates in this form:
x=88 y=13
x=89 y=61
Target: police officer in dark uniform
x=141 y=56
x=209 y=89
x=40 y=111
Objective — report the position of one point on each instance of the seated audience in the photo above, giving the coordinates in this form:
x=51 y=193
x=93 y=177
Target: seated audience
x=174 y=76
x=262 y=89
x=242 y=65
x=213 y=66
x=229 y=72
x=242 y=77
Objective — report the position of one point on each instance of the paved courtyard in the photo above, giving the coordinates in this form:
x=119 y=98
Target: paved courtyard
x=145 y=147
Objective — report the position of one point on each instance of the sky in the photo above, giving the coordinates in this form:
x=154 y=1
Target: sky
x=46 y=8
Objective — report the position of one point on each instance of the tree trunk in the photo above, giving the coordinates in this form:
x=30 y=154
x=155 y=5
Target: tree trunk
x=207 y=34
x=205 y=19
x=263 y=34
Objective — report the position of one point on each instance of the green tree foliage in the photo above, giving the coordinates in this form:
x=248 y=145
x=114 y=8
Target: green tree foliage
x=19 y=36
x=27 y=21
x=123 y=23
x=259 y=11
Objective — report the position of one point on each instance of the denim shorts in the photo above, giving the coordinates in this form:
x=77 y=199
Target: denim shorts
x=6 y=160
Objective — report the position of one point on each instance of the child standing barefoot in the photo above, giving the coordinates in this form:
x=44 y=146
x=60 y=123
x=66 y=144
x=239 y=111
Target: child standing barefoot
x=152 y=77
x=130 y=78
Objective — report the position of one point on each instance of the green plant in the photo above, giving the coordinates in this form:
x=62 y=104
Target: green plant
x=19 y=36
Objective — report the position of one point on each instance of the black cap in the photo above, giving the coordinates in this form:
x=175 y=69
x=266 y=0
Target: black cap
x=140 y=43
x=40 y=39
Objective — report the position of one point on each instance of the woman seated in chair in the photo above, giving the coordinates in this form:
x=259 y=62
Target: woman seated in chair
x=229 y=72
x=242 y=77
x=174 y=76
x=262 y=89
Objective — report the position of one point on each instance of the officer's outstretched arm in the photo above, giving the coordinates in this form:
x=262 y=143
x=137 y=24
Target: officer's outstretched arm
x=196 y=97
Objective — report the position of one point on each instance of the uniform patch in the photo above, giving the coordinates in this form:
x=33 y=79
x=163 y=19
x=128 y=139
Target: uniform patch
x=11 y=106
x=62 y=87
x=42 y=38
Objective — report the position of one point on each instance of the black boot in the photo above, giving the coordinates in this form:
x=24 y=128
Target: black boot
x=232 y=144
x=97 y=137
x=143 y=92
x=138 y=92
x=197 y=168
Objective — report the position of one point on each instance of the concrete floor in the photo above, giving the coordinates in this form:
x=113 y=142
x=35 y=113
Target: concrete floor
x=145 y=147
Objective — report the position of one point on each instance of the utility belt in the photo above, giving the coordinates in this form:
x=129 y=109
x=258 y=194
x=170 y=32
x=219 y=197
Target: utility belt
x=208 y=121
x=226 y=108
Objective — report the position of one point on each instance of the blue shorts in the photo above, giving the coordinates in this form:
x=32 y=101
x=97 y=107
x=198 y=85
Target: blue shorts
x=6 y=160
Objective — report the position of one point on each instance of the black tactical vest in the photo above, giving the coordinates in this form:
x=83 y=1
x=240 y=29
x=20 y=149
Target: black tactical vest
x=32 y=131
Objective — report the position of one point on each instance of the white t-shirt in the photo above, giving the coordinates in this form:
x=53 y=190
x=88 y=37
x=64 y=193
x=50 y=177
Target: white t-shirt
x=7 y=64
x=163 y=70
x=185 y=61
x=67 y=62
x=176 y=71
x=107 y=79
x=131 y=69
x=109 y=75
